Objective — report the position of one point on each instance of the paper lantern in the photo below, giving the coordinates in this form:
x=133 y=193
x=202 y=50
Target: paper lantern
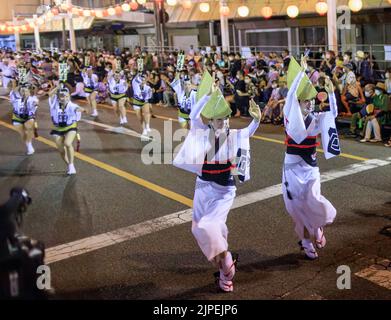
x=16 y=29
x=224 y=10
x=267 y=12
x=186 y=4
x=355 y=5
x=10 y=29
x=292 y=11
x=321 y=8
x=172 y=2
x=133 y=5
x=24 y=27
x=49 y=15
x=243 y=11
x=204 y=7
x=141 y=1
x=111 y=11
x=2 y=27
x=125 y=7
x=86 y=13
x=40 y=21
x=118 y=10
x=99 y=13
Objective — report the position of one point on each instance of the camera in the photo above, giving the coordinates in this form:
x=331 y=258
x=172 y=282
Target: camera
x=20 y=256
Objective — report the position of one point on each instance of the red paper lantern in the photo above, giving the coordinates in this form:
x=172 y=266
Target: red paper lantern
x=133 y=5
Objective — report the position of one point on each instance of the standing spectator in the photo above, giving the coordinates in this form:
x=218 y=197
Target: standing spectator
x=241 y=95
x=286 y=59
x=364 y=69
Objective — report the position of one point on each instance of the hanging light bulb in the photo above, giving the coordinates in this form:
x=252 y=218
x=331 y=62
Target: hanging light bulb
x=2 y=27
x=355 y=5
x=141 y=1
x=292 y=11
x=64 y=6
x=204 y=7
x=125 y=7
x=111 y=11
x=267 y=12
x=172 y=2
x=243 y=11
x=87 y=13
x=24 y=27
x=16 y=29
x=75 y=11
x=321 y=7
x=186 y=4
x=10 y=29
x=224 y=10
x=133 y=5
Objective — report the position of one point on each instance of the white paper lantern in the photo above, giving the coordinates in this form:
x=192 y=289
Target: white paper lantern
x=292 y=11
x=355 y=5
x=204 y=7
x=321 y=8
x=243 y=11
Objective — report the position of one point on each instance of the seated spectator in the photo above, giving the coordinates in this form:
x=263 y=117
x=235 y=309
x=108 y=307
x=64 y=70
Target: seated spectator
x=364 y=111
x=352 y=95
x=387 y=82
x=312 y=73
x=272 y=106
x=377 y=117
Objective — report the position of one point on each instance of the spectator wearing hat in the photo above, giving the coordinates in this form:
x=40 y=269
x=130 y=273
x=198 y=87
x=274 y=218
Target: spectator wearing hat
x=377 y=116
x=364 y=69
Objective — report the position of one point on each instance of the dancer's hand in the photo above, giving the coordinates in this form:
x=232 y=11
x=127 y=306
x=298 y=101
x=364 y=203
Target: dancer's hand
x=254 y=111
x=329 y=85
x=304 y=64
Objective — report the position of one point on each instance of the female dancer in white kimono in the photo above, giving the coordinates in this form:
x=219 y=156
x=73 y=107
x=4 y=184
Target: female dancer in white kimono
x=24 y=105
x=309 y=210
x=65 y=115
x=91 y=81
x=118 y=88
x=186 y=96
x=142 y=93
x=215 y=153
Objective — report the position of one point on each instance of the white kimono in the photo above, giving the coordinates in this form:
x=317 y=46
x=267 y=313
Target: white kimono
x=185 y=104
x=213 y=201
x=301 y=181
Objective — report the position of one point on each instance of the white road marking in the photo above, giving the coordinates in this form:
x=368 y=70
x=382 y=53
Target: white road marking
x=121 y=130
x=78 y=247
x=379 y=274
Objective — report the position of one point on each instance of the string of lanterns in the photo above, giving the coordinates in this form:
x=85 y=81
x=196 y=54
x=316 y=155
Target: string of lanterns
x=132 y=5
x=26 y=24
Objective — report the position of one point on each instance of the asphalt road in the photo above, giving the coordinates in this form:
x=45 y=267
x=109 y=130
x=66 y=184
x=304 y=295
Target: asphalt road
x=114 y=189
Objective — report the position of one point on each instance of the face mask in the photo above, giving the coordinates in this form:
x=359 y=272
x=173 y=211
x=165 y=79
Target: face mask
x=274 y=86
x=387 y=75
x=346 y=58
x=237 y=77
x=231 y=59
x=356 y=59
x=367 y=94
x=247 y=81
x=377 y=92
